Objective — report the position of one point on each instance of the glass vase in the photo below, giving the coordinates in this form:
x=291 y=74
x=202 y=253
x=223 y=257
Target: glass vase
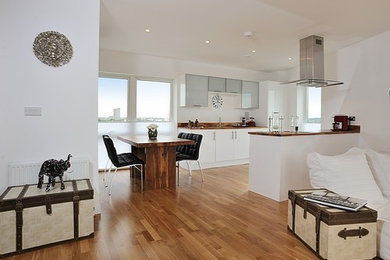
x=152 y=133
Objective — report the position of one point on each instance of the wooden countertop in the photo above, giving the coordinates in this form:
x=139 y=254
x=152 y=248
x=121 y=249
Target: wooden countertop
x=353 y=129
x=214 y=125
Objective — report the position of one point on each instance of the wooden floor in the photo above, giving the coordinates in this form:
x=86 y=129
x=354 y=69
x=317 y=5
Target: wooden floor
x=217 y=219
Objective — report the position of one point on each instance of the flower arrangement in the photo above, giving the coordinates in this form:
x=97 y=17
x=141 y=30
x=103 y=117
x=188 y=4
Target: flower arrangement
x=152 y=127
x=152 y=131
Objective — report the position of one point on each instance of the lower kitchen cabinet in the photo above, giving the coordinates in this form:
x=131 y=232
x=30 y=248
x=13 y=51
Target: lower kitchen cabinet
x=222 y=147
x=207 y=148
x=242 y=144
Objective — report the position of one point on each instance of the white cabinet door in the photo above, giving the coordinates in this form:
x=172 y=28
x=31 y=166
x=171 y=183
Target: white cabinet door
x=233 y=85
x=207 y=147
x=224 y=145
x=241 y=143
x=217 y=84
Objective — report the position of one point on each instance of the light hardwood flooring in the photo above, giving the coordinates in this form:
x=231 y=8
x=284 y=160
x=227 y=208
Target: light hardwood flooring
x=217 y=219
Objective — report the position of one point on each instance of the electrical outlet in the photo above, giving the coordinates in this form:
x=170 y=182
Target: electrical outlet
x=33 y=111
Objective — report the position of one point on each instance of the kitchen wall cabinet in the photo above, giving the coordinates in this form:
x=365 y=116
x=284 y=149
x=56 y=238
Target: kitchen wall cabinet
x=194 y=92
x=250 y=94
x=233 y=85
x=217 y=84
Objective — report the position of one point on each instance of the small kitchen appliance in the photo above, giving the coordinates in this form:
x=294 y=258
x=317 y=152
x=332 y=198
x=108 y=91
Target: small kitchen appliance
x=341 y=122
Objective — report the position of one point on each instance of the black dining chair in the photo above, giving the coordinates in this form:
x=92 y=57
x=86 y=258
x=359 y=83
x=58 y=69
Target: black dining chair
x=189 y=152
x=119 y=161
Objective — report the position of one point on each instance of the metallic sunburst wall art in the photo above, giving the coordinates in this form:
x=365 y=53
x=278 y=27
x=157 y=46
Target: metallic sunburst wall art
x=53 y=48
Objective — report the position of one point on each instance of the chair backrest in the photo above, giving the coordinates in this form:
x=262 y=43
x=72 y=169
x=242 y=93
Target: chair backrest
x=111 y=151
x=190 y=150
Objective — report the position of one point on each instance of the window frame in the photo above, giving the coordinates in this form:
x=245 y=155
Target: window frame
x=117 y=76
x=132 y=95
x=171 y=96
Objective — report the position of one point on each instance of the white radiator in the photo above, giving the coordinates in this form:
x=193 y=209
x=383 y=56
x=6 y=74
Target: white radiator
x=21 y=173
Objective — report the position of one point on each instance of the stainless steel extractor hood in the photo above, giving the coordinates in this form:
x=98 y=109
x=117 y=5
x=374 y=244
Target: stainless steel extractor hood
x=312 y=64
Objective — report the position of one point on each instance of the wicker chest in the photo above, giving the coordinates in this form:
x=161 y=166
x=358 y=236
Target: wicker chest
x=31 y=217
x=332 y=233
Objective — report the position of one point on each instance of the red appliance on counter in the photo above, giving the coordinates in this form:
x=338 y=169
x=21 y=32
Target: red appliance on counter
x=341 y=122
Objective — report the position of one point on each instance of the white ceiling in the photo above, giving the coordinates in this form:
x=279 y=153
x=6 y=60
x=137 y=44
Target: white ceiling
x=179 y=28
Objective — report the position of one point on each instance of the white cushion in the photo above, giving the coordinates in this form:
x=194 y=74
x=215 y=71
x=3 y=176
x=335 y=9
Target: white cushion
x=347 y=174
x=380 y=166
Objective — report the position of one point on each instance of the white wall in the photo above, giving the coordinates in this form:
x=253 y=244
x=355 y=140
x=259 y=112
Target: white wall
x=67 y=94
x=364 y=68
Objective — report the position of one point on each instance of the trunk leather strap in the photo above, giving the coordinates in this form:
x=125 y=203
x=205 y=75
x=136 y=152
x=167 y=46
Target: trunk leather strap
x=48 y=205
x=19 y=219
x=360 y=232
x=318 y=225
x=293 y=203
x=76 y=200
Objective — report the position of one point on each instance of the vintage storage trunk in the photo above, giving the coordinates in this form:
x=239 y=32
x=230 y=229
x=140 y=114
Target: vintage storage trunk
x=31 y=217
x=330 y=232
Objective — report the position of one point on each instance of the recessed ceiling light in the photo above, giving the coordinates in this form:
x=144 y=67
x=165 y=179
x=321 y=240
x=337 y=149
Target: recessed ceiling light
x=253 y=51
x=207 y=41
x=147 y=30
x=289 y=58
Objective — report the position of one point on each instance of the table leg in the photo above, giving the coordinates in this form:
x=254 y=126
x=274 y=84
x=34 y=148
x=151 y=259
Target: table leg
x=160 y=166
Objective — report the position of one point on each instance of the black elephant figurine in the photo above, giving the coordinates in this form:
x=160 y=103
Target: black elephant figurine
x=53 y=168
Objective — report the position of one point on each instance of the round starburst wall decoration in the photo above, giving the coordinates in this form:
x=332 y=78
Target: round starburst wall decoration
x=53 y=48
x=217 y=101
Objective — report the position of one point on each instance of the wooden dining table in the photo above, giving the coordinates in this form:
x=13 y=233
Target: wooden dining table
x=159 y=156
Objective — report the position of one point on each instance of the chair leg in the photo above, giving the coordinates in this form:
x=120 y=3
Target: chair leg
x=189 y=168
x=201 y=171
x=110 y=186
x=107 y=177
x=106 y=172
x=178 y=169
x=142 y=178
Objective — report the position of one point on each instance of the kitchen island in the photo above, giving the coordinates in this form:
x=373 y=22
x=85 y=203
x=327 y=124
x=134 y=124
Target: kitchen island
x=277 y=161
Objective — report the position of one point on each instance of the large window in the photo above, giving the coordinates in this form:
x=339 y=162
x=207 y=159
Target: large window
x=314 y=105
x=122 y=99
x=153 y=100
x=112 y=99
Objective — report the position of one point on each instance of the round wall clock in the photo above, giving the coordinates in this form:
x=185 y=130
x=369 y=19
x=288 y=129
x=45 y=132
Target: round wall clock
x=53 y=48
x=217 y=101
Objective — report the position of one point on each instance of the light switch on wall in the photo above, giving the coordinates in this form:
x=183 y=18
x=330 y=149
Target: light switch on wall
x=33 y=111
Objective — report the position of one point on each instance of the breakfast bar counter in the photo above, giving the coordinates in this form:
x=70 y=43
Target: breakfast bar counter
x=352 y=129
x=277 y=161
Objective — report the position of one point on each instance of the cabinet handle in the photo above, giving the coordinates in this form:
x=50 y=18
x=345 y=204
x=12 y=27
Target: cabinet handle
x=232 y=134
x=214 y=136
x=235 y=133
